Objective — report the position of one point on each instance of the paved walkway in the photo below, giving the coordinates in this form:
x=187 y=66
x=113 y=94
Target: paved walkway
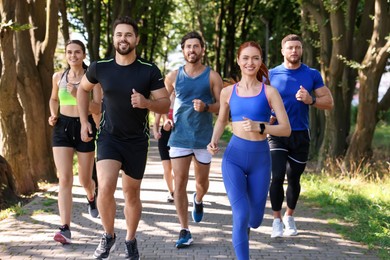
x=30 y=236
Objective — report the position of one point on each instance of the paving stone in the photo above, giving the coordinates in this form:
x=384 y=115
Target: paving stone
x=30 y=236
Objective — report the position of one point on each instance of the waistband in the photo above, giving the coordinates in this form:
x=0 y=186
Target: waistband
x=249 y=146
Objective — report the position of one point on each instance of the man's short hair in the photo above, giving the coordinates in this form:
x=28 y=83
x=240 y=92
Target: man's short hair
x=192 y=35
x=291 y=37
x=126 y=20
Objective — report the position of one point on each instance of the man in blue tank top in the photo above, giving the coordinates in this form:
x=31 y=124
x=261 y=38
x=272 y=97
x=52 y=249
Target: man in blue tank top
x=197 y=89
x=300 y=87
x=131 y=88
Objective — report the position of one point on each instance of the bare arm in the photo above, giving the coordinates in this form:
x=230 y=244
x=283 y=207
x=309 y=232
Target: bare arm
x=216 y=85
x=83 y=106
x=156 y=126
x=54 y=100
x=324 y=99
x=222 y=120
x=95 y=106
x=170 y=81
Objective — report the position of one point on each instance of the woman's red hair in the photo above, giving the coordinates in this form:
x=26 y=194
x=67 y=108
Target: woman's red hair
x=263 y=72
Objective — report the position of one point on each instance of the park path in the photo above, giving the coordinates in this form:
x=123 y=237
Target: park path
x=30 y=236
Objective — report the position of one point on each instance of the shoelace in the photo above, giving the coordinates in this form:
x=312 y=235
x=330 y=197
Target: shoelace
x=104 y=242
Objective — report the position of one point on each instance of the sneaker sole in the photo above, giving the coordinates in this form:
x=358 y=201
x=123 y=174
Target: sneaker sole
x=61 y=239
x=108 y=257
x=291 y=234
x=183 y=245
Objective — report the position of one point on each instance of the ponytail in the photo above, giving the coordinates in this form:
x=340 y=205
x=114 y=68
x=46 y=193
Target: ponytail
x=263 y=74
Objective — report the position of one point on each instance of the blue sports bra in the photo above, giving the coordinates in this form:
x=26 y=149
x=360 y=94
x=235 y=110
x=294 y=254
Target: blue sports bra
x=256 y=108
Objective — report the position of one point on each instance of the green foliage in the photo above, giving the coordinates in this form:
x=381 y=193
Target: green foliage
x=15 y=26
x=364 y=205
x=16 y=209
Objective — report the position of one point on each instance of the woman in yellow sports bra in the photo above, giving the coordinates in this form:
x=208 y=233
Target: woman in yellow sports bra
x=66 y=136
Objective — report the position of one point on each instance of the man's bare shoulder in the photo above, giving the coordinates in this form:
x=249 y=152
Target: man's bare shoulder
x=172 y=74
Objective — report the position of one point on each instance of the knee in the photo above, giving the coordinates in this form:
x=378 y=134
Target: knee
x=85 y=182
x=66 y=180
x=256 y=222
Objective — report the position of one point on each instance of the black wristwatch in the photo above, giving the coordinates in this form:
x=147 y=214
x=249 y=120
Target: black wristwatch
x=262 y=128
x=314 y=100
x=206 y=107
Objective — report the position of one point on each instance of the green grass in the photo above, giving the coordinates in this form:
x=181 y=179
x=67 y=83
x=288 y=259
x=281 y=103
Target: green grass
x=381 y=139
x=16 y=209
x=365 y=206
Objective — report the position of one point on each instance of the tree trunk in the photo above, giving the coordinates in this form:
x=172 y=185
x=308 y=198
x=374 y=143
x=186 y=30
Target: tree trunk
x=14 y=136
x=27 y=57
x=7 y=182
x=369 y=76
x=35 y=69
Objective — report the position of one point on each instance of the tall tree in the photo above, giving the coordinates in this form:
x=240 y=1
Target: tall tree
x=370 y=73
x=335 y=19
x=27 y=58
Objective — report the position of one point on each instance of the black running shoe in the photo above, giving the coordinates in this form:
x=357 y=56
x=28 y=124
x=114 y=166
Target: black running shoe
x=132 y=250
x=92 y=208
x=106 y=246
x=197 y=210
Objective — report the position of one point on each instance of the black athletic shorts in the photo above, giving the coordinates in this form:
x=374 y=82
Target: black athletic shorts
x=132 y=153
x=66 y=133
x=296 y=145
x=163 y=147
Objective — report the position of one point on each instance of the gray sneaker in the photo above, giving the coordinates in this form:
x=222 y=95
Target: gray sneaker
x=63 y=236
x=132 y=250
x=92 y=208
x=105 y=247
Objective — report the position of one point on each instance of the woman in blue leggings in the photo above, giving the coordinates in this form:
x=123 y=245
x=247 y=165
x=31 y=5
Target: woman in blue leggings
x=246 y=165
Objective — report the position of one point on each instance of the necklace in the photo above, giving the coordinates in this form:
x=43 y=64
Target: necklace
x=76 y=84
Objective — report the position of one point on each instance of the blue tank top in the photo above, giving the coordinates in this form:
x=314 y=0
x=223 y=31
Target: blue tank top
x=256 y=108
x=192 y=129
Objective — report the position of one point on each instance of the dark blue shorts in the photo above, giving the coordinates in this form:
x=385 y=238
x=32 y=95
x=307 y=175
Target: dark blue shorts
x=132 y=153
x=66 y=133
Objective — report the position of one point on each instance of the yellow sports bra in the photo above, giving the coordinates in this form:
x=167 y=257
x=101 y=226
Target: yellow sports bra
x=66 y=98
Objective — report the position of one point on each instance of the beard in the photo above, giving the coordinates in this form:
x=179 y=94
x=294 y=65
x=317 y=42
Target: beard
x=294 y=60
x=124 y=51
x=193 y=59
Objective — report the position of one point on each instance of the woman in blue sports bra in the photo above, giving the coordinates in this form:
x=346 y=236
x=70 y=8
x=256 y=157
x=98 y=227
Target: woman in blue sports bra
x=246 y=164
x=64 y=117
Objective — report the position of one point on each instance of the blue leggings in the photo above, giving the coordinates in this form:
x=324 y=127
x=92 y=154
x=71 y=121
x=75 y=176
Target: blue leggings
x=246 y=171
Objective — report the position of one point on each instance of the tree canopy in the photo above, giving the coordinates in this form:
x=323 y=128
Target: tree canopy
x=347 y=40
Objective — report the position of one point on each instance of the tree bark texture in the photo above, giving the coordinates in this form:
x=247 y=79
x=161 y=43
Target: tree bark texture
x=27 y=56
x=370 y=74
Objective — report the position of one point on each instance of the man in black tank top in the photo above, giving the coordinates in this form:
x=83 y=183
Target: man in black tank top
x=131 y=88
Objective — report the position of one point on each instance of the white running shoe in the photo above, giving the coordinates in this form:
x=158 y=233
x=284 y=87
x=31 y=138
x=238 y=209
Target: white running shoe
x=291 y=228
x=277 y=228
